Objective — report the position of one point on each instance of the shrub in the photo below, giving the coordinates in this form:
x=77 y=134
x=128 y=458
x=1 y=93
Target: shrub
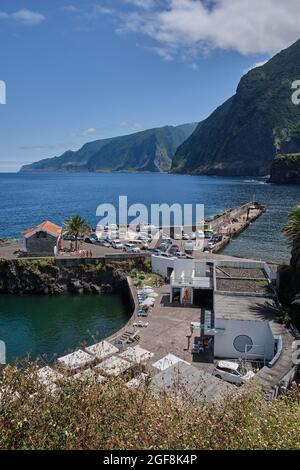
x=111 y=416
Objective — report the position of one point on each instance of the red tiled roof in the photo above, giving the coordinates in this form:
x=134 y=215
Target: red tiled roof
x=46 y=226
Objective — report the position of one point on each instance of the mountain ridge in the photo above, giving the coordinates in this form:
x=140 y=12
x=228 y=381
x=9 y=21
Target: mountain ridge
x=151 y=150
x=243 y=135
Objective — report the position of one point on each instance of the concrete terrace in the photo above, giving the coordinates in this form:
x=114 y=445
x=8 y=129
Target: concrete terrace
x=168 y=331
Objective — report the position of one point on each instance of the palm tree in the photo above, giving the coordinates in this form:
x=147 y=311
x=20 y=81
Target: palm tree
x=76 y=225
x=292 y=232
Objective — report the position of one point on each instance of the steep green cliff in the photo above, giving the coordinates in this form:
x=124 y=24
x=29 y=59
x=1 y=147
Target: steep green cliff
x=243 y=135
x=150 y=150
x=286 y=169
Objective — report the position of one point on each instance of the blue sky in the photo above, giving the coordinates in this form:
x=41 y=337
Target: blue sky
x=82 y=70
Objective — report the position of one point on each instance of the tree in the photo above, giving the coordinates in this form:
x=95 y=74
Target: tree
x=292 y=232
x=76 y=225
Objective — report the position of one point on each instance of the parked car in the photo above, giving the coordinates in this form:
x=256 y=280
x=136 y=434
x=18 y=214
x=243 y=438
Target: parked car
x=185 y=236
x=166 y=255
x=157 y=251
x=179 y=254
x=104 y=243
x=141 y=237
x=192 y=236
x=68 y=237
x=208 y=234
x=163 y=247
x=177 y=236
x=131 y=248
x=174 y=248
x=232 y=372
x=117 y=245
x=142 y=244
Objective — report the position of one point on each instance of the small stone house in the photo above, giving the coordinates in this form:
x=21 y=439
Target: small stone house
x=41 y=240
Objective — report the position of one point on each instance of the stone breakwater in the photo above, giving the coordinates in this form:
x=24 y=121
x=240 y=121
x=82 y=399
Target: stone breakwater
x=53 y=277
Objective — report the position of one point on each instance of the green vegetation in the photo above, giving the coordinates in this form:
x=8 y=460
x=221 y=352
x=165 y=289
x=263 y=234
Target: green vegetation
x=292 y=232
x=150 y=150
x=290 y=158
x=243 y=135
x=30 y=267
x=286 y=169
x=93 y=268
x=111 y=416
x=290 y=275
x=124 y=268
x=76 y=225
x=142 y=278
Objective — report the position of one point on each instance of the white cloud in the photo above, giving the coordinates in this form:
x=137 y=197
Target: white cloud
x=70 y=8
x=193 y=26
x=24 y=16
x=100 y=10
x=194 y=66
x=90 y=130
x=28 y=17
x=257 y=64
x=138 y=126
x=146 y=4
x=164 y=53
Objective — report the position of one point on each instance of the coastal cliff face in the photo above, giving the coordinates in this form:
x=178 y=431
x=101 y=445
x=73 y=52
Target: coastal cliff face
x=286 y=169
x=44 y=276
x=151 y=150
x=243 y=136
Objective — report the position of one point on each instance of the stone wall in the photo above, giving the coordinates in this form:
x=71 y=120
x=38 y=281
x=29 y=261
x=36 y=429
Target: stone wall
x=49 y=276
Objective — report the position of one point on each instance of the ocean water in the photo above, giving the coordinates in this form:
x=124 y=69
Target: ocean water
x=28 y=199
x=49 y=327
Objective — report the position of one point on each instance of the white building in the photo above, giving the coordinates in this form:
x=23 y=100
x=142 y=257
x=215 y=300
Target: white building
x=237 y=294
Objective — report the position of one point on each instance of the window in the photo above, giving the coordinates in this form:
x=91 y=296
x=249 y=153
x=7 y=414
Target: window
x=41 y=235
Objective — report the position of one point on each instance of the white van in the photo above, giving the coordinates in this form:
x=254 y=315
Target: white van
x=143 y=244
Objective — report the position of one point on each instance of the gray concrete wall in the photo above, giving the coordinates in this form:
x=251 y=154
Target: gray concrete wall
x=217 y=223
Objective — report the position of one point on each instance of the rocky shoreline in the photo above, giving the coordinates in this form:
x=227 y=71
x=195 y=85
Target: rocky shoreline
x=286 y=169
x=49 y=277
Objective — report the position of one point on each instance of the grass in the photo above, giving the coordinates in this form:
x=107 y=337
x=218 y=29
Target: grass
x=111 y=416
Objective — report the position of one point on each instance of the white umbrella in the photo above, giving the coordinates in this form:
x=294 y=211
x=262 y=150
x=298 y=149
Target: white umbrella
x=148 y=302
x=148 y=290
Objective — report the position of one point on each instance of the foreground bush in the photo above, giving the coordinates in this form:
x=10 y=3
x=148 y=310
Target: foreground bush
x=110 y=416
